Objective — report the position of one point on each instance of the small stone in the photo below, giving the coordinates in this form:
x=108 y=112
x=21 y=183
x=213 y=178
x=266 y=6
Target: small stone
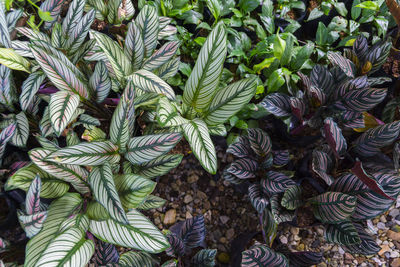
x=192 y=178
x=223 y=257
x=297 y=238
x=157 y=221
x=300 y=247
x=230 y=234
x=348 y=257
x=188 y=199
x=396 y=228
x=394 y=254
x=201 y=195
x=396 y=263
x=295 y=230
x=212 y=183
x=188 y=215
x=170 y=217
x=341 y=251
x=383 y=219
x=224 y=219
x=283 y=239
x=223 y=240
x=393 y=235
x=381 y=225
x=384 y=248
x=394 y=212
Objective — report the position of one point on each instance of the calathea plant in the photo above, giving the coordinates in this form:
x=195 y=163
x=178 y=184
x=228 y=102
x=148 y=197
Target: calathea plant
x=112 y=11
x=205 y=107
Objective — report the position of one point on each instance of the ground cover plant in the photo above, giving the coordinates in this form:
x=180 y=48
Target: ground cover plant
x=99 y=99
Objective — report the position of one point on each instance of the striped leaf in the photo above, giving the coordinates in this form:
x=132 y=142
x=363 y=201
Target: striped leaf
x=94 y=153
x=202 y=84
x=21 y=134
x=105 y=253
x=5 y=39
x=159 y=166
x=240 y=148
x=79 y=33
x=279 y=213
x=349 y=85
x=342 y=233
x=22 y=48
x=231 y=178
x=32 y=200
x=169 y=69
x=119 y=61
x=61 y=72
x=321 y=78
x=305 y=258
x=74 y=15
x=368 y=246
x=143 y=149
x=193 y=232
x=33 y=34
x=390 y=110
x=149 y=82
x=360 y=47
x=261 y=255
x=5 y=136
x=140 y=234
x=333 y=207
x=138 y=258
x=277 y=104
x=133 y=190
x=364 y=99
x=229 y=100
x=12 y=60
x=32 y=223
x=54 y=7
x=219 y=130
x=197 y=134
x=146 y=100
x=87 y=121
x=243 y=168
x=177 y=247
x=298 y=107
x=73 y=174
x=29 y=88
x=167 y=114
x=69 y=248
x=151 y=202
x=45 y=124
x=259 y=141
x=62 y=107
x=58 y=212
x=57 y=36
x=281 y=157
x=321 y=165
x=22 y=179
x=378 y=54
x=257 y=198
x=396 y=155
x=161 y=56
x=148 y=23
x=95 y=211
x=103 y=188
x=343 y=63
x=369 y=142
x=291 y=199
x=269 y=226
x=204 y=258
x=369 y=203
x=100 y=82
x=134 y=47
x=334 y=137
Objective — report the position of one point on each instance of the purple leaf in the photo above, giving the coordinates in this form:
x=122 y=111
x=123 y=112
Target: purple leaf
x=334 y=137
x=243 y=168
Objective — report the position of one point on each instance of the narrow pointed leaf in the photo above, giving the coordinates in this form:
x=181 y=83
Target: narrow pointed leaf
x=342 y=233
x=105 y=253
x=32 y=201
x=62 y=107
x=29 y=88
x=5 y=39
x=334 y=137
x=12 y=60
x=260 y=141
x=21 y=134
x=149 y=82
x=32 y=223
x=263 y=256
x=134 y=46
x=100 y=82
x=204 y=258
x=159 y=166
x=161 y=56
x=151 y=202
x=167 y=114
x=148 y=23
x=79 y=33
x=368 y=246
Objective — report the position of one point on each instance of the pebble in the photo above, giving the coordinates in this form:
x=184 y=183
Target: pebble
x=394 y=254
x=381 y=225
x=394 y=213
x=383 y=219
x=224 y=219
x=341 y=251
x=396 y=263
x=188 y=215
x=384 y=248
x=230 y=234
x=300 y=247
x=223 y=257
x=393 y=235
x=188 y=199
x=283 y=239
x=192 y=178
x=295 y=230
x=170 y=217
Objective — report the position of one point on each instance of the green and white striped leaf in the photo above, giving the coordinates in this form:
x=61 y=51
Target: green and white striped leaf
x=22 y=48
x=73 y=174
x=33 y=34
x=22 y=179
x=137 y=258
x=368 y=245
x=54 y=7
x=61 y=73
x=147 y=101
x=159 y=166
x=342 y=233
x=167 y=114
x=94 y=153
x=204 y=258
x=203 y=82
x=218 y=130
x=33 y=223
x=74 y=15
x=103 y=188
x=148 y=23
x=119 y=61
x=21 y=130
x=134 y=46
x=5 y=135
x=62 y=107
x=197 y=134
x=5 y=39
x=12 y=60
x=151 y=202
x=57 y=36
x=12 y=17
x=291 y=199
x=76 y=220
x=70 y=248
x=87 y=121
x=100 y=82
x=140 y=234
x=29 y=88
x=58 y=212
x=79 y=33
x=143 y=149
x=133 y=189
x=161 y=56
x=95 y=211
x=45 y=124
x=149 y=82
x=169 y=69
x=229 y=100
x=32 y=199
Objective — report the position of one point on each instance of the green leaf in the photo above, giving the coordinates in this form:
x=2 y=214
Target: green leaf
x=79 y=33
x=103 y=188
x=197 y=134
x=277 y=79
x=137 y=258
x=204 y=79
x=342 y=233
x=94 y=153
x=372 y=5
x=291 y=199
x=21 y=133
x=161 y=56
x=100 y=81
x=134 y=46
x=167 y=114
x=62 y=107
x=151 y=202
x=279 y=46
x=12 y=60
x=229 y=100
x=32 y=223
x=74 y=15
x=140 y=234
x=29 y=88
x=159 y=166
x=204 y=258
x=95 y=211
x=148 y=23
x=45 y=15
x=5 y=39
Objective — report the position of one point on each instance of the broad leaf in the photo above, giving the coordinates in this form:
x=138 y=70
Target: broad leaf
x=32 y=223
x=12 y=60
x=342 y=233
x=276 y=182
x=193 y=232
x=54 y=7
x=321 y=164
x=159 y=166
x=259 y=141
x=257 y=198
x=100 y=82
x=105 y=253
x=149 y=82
x=79 y=33
x=343 y=63
x=148 y=22
x=334 y=137
x=204 y=258
x=162 y=56
x=134 y=47
x=277 y=104
x=5 y=39
x=32 y=200
x=241 y=148
x=177 y=247
x=368 y=246
x=137 y=258
x=151 y=202
x=291 y=199
x=62 y=107
x=243 y=168
x=29 y=88
x=261 y=255
x=21 y=134
x=167 y=114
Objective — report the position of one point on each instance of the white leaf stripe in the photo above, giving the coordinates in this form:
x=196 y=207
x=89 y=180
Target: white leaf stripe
x=169 y=69
x=45 y=124
x=167 y=115
x=29 y=88
x=62 y=106
x=102 y=182
x=22 y=48
x=203 y=81
x=73 y=16
x=148 y=22
x=13 y=60
x=160 y=165
x=149 y=82
x=134 y=46
x=140 y=234
x=73 y=174
x=197 y=134
x=79 y=32
x=94 y=153
x=5 y=39
x=162 y=56
x=32 y=199
x=12 y=18
x=70 y=248
x=21 y=131
x=143 y=149
x=228 y=101
x=54 y=7
x=32 y=34
x=100 y=82
x=32 y=223
x=59 y=73
x=119 y=61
